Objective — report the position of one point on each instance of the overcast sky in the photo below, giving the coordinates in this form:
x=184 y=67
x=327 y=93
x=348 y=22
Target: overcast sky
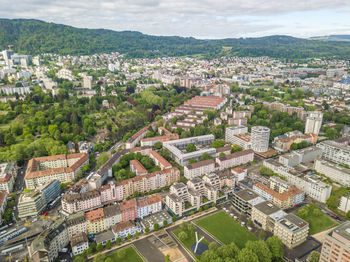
x=197 y=18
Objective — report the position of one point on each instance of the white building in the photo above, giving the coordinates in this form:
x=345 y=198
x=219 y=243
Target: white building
x=231 y=131
x=335 y=172
x=199 y=169
x=260 y=136
x=344 y=204
x=335 y=152
x=313 y=122
x=8 y=174
x=79 y=242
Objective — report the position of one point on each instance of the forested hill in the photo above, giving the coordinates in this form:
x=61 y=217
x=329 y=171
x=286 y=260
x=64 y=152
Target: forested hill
x=34 y=37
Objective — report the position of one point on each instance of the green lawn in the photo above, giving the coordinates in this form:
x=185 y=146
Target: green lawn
x=190 y=241
x=226 y=229
x=130 y=256
x=317 y=220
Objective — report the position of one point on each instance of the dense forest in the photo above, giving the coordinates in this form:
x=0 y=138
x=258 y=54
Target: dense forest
x=34 y=37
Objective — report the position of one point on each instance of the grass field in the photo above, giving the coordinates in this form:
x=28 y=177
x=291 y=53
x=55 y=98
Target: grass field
x=130 y=256
x=226 y=229
x=317 y=220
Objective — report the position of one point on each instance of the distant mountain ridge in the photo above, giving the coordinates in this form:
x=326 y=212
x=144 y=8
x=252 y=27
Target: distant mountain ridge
x=35 y=37
x=345 y=38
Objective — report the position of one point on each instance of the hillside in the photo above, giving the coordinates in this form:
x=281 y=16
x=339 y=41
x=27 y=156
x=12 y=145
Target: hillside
x=34 y=37
x=345 y=38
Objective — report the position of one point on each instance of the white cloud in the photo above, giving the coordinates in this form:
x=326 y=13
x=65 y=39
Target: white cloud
x=199 y=18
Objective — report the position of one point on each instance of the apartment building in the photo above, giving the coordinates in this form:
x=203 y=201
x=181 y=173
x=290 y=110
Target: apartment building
x=148 y=205
x=344 y=204
x=135 y=138
x=336 y=245
x=336 y=152
x=179 y=154
x=128 y=210
x=46 y=246
x=265 y=215
x=31 y=204
x=166 y=136
x=335 y=172
x=159 y=160
x=79 y=243
x=76 y=223
x=235 y=159
x=123 y=229
x=232 y=131
x=137 y=168
x=95 y=221
x=112 y=215
x=3 y=203
x=8 y=174
x=310 y=184
x=64 y=168
x=51 y=190
x=313 y=122
x=292 y=230
x=241 y=114
x=244 y=200
x=199 y=168
x=260 y=136
x=210 y=102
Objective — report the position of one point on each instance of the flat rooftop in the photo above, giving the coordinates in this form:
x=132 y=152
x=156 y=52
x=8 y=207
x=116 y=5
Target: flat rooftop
x=267 y=208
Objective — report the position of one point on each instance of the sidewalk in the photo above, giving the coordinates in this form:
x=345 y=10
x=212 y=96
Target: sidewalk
x=177 y=223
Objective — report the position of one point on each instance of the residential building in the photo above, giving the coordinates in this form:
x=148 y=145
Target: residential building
x=260 y=136
x=336 y=152
x=135 y=138
x=199 y=168
x=344 y=204
x=159 y=160
x=76 y=223
x=31 y=204
x=8 y=174
x=95 y=221
x=64 y=168
x=231 y=131
x=313 y=122
x=46 y=246
x=335 y=172
x=123 y=229
x=210 y=102
x=128 y=210
x=148 y=205
x=73 y=203
x=235 y=159
x=239 y=172
x=177 y=148
x=3 y=203
x=336 y=244
x=292 y=230
x=51 y=190
x=312 y=185
x=79 y=243
x=112 y=215
x=137 y=168
x=244 y=200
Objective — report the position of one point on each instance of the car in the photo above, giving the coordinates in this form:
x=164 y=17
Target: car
x=45 y=214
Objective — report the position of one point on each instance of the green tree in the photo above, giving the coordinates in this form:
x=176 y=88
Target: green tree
x=192 y=213
x=183 y=236
x=146 y=229
x=206 y=156
x=99 y=247
x=129 y=236
x=156 y=226
x=313 y=257
x=102 y=158
x=276 y=247
x=100 y=257
x=192 y=161
x=118 y=240
x=158 y=145
x=137 y=234
x=218 y=143
x=191 y=148
x=173 y=218
x=167 y=258
x=247 y=255
x=213 y=246
x=236 y=148
x=165 y=222
x=261 y=249
x=108 y=244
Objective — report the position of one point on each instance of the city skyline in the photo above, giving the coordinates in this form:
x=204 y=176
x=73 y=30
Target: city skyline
x=204 y=20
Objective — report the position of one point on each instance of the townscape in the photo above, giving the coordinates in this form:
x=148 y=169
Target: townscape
x=110 y=158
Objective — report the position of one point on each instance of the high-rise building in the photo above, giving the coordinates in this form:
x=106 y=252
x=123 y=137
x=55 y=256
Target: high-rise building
x=260 y=136
x=313 y=122
x=336 y=245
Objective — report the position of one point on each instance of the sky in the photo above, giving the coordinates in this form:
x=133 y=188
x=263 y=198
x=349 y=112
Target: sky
x=205 y=19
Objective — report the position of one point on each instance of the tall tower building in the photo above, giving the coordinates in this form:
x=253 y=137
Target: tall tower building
x=313 y=122
x=336 y=245
x=260 y=138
